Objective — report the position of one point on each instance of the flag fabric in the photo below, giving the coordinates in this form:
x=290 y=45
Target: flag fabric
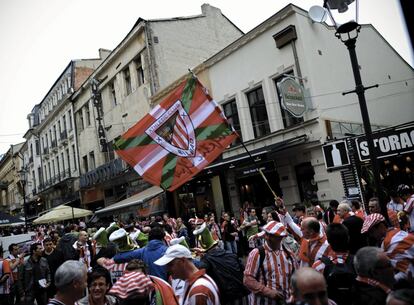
x=178 y=138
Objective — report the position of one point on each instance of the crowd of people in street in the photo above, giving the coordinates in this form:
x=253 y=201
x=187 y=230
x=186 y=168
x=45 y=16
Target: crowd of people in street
x=341 y=255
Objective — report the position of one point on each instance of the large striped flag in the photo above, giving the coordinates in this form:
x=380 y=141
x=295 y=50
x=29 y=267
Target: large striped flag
x=178 y=138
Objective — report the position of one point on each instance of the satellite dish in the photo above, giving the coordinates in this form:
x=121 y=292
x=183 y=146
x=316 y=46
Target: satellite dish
x=317 y=14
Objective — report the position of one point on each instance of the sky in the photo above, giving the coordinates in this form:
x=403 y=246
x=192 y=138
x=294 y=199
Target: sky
x=40 y=37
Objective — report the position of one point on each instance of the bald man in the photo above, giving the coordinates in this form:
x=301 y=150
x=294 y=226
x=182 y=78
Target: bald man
x=309 y=286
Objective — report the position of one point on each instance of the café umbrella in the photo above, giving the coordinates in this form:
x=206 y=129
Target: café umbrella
x=62 y=212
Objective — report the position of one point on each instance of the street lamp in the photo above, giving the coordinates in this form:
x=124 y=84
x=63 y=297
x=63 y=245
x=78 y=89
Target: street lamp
x=348 y=32
x=23 y=181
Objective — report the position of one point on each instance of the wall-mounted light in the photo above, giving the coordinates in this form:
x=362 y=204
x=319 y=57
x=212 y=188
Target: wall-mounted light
x=395 y=168
x=408 y=170
x=408 y=159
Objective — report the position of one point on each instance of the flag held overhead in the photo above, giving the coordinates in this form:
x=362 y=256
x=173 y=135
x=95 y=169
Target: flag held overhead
x=178 y=138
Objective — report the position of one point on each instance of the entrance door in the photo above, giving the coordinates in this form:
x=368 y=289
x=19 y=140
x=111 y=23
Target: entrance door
x=306 y=183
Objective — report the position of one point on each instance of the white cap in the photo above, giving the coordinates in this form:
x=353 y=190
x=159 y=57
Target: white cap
x=173 y=252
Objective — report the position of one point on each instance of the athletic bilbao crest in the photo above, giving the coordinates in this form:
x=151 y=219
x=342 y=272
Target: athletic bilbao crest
x=174 y=131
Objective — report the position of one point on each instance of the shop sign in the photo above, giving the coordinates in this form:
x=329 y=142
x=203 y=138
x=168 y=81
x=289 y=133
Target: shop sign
x=264 y=167
x=387 y=143
x=335 y=154
x=293 y=98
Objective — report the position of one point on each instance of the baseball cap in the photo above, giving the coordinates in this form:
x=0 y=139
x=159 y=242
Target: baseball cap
x=275 y=228
x=173 y=252
x=371 y=220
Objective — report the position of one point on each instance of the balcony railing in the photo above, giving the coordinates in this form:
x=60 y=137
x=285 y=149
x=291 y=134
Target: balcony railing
x=55 y=179
x=103 y=173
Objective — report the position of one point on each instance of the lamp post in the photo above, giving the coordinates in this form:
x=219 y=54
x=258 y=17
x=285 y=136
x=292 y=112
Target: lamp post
x=348 y=33
x=23 y=181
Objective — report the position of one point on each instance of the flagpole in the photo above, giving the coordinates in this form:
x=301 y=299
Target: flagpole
x=260 y=171
x=248 y=152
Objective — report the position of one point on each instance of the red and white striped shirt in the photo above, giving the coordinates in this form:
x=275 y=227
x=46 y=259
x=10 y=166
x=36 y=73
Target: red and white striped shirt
x=278 y=267
x=313 y=249
x=200 y=289
x=399 y=247
x=116 y=270
x=335 y=258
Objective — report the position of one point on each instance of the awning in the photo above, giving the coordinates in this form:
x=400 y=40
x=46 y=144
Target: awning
x=133 y=200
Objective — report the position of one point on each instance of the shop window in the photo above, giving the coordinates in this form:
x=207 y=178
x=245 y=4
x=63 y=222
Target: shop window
x=258 y=112
x=287 y=118
x=232 y=115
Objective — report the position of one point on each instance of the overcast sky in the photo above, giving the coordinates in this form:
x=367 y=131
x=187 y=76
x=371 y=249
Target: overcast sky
x=40 y=37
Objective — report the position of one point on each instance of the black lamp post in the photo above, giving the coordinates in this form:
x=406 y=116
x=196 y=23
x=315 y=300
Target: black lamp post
x=348 y=34
x=23 y=181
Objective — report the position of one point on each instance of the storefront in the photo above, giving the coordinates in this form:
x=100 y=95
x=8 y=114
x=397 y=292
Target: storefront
x=395 y=152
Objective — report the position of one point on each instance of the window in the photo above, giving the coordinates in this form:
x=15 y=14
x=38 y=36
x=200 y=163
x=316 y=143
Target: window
x=140 y=71
x=112 y=93
x=54 y=169
x=88 y=115
x=39 y=174
x=31 y=150
x=230 y=111
x=58 y=166
x=92 y=160
x=110 y=155
x=258 y=112
x=288 y=119
x=81 y=123
x=64 y=122
x=68 y=159
x=70 y=119
x=37 y=147
x=54 y=132
x=74 y=157
x=85 y=164
x=127 y=78
x=62 y=156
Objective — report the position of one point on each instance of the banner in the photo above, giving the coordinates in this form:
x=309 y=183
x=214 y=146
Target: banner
x=178 y=138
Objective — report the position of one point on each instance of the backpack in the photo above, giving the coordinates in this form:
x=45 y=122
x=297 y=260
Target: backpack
x=340 y=279
x=227 y=271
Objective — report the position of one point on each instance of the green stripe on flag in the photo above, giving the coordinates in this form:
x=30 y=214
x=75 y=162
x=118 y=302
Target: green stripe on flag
x=213 y=131
x=141 y=140
x=168 y=170
x=187 y=95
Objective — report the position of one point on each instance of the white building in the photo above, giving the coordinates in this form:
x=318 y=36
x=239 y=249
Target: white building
x=243 y=78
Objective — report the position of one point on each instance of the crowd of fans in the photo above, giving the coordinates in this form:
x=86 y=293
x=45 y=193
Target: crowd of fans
x=339 y=255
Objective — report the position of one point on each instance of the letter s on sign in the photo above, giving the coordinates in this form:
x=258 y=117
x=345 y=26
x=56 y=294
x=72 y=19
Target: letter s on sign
x=363 y=146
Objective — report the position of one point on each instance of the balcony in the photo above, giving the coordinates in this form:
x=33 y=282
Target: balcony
x=103 y=173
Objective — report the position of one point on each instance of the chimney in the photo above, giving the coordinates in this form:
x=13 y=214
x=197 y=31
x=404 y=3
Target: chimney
x=207 y=9
x=103 y=53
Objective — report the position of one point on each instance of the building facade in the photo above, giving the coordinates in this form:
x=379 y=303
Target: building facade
x=152 y=55
x=52 y=165
x=11 y=191
x=288 y=148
